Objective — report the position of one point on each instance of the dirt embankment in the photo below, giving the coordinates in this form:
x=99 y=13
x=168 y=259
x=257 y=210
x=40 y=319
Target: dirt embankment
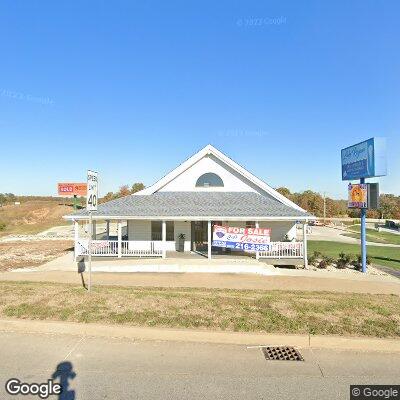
x=33 y=216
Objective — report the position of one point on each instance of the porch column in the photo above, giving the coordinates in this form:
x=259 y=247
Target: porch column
x=119 y=239
x=164 y=239
x=108 y=229
x=209 y=240
x=257 y=253
x=76 y=237
x=94 y=230
x=305 y=245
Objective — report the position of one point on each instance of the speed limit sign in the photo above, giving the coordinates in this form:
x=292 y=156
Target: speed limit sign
x=91 y=205
x=92 y=191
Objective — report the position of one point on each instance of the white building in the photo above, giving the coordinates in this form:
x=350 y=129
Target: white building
x=178 y=213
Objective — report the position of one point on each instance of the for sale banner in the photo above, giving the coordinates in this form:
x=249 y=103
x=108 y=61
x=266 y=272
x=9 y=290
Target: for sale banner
x=247 y=239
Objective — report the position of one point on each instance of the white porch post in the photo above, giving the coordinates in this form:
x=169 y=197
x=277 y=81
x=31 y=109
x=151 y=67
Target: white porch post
x=76 y=237
x=119 y=239
x=209 y=240
x=164 y=239
x=94 y=230
x=257 y=253
x=108 y=229
x=305 y=245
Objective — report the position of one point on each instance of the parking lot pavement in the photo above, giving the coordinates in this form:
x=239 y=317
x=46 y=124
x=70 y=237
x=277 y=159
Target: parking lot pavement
x=99 y=368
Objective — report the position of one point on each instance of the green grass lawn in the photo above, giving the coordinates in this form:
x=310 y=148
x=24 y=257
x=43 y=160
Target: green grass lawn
x=373 y=235
x=275 y=311
x=389 y=256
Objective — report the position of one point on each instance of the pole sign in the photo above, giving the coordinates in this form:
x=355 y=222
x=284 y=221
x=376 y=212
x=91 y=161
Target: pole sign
x=92 y=191
x=360 y=161
x=248 y=239
x=364 y=160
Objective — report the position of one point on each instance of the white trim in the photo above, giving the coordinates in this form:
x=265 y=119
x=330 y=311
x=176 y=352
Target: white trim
x=305 y=257
x=190 y=218
x=209 y=238
x=119 y=239
x=209 y=149
x=164 y=238
x=257 y=225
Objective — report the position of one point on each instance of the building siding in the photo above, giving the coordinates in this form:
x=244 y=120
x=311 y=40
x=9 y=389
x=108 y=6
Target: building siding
x=185 y=228
x=233 y=182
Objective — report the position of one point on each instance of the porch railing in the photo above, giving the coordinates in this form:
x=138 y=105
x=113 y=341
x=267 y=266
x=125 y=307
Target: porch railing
x=283 y=250
x=109 y=248
x=141 y=249
x=133 y=248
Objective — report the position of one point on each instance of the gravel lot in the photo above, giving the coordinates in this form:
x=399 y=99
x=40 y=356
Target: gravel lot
x=20 y=254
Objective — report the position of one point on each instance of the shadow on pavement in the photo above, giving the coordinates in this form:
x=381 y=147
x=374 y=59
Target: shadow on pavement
x=64 y=373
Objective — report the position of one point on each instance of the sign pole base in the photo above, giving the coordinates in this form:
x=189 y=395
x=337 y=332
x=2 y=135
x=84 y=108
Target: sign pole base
x=363 y=236
x=90 y=251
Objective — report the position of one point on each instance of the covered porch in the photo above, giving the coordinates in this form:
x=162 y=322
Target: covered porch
x=138 y=238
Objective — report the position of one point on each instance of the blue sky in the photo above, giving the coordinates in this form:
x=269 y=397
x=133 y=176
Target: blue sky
x=131 y=89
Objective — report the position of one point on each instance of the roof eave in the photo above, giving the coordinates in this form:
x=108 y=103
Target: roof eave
x=191 y=218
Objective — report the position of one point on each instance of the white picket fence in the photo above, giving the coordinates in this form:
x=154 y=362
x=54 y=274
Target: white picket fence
x=283 y=250
x=109 y=248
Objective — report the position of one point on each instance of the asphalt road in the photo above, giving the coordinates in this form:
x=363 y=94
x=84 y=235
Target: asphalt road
x=124 y=369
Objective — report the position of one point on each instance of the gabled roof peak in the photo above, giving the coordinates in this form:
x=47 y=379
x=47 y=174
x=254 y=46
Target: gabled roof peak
x=210 y=149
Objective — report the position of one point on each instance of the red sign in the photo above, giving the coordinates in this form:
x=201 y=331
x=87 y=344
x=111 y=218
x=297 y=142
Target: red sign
x=249 y=231
x=72 y=189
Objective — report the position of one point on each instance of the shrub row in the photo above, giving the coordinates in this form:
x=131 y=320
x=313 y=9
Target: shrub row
x=317 y=259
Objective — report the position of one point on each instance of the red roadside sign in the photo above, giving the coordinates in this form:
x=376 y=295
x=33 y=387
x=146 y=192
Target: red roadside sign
x=72 y=189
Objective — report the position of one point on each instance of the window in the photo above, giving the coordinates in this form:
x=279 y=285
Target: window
x=250 y=224
x=209 y=180
x=156 y=230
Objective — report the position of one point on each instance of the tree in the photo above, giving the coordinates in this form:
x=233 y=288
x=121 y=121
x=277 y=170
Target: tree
x=310 y=201
x=109 y=196
x=389 y=206
x=124 y=191
x=284 y=192
x=137 y=187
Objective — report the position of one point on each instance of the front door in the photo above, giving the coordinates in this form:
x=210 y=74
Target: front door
x=199 y=236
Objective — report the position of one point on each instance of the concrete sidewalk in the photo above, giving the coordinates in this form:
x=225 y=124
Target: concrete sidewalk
x=201 y=336
x=246 y=274
x=372 y=285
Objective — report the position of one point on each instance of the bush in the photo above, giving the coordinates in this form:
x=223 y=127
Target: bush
x=322 y=264
x=315 y=258
x=325 y=262
x=344 y=260
x=2 y=226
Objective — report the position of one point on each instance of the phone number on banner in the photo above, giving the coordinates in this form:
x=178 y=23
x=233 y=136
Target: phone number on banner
x=241 y=246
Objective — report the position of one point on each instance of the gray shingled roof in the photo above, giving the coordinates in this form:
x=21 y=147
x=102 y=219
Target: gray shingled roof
x=195 y=204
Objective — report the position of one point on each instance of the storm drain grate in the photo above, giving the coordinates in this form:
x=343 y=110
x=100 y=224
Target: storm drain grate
x=281 y=353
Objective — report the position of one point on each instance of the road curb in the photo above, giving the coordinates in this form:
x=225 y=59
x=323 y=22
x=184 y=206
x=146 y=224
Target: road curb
x=181 y=335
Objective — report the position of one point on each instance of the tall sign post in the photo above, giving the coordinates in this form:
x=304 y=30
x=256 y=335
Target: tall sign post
x=360 y=161
x=91 y=205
